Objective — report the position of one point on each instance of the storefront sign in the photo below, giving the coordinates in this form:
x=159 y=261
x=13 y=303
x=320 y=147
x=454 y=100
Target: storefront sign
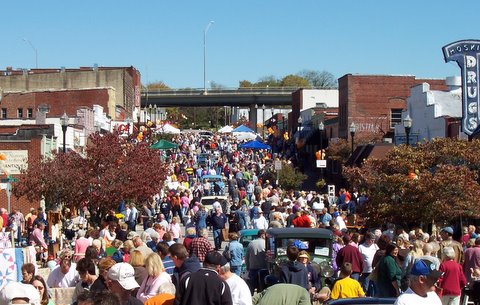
x=15 y=160
x=466 y=54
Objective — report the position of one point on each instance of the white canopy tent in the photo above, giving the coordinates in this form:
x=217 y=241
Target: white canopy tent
x=167 y=128
x=242 y=136
x=226 y=129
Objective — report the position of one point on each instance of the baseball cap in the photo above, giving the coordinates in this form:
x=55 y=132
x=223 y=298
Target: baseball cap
x=215 y=258
x=124 y=274
x=449 y=230
x=426 y=268
x=14 y=290
x=132 y=235
x=305 y=255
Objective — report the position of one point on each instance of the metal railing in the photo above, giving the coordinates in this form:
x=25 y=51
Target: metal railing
x=239 y=91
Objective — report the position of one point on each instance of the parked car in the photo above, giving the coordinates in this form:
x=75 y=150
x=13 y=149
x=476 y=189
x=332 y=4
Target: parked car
x=362 y=301
x=202 y=159
x=245 y=237
x=215 y=179
x=317 y=242
x=208 y=201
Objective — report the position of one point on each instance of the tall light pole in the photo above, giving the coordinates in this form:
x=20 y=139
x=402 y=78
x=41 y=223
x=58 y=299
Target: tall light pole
x=205 y=56
x=263 y=123
x=407 y=124
x=352 y=130
x=299 y=126
x=64 y=123
x=34 y=49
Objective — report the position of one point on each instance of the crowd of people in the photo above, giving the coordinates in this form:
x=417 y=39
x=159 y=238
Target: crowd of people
x=160 y=252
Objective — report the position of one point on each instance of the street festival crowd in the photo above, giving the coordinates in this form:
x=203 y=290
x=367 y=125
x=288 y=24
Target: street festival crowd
x=160 y=253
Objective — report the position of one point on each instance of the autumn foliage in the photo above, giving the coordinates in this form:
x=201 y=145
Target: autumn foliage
x=435 y=181
x=113 y=169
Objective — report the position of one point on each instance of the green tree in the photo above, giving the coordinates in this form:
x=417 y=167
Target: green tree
x=267 y=81
x=157 y=86
x=215 y=85
x=294 y=81
x=319 y=79
x=434 y=182
x=290 y=178
x=245 y=84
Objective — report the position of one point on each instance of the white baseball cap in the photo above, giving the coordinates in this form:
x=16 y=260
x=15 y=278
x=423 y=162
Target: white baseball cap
x=124 y=274
x=15 y=290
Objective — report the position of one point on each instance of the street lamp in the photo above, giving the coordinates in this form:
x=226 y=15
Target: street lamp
x=155 y=110
x=352 y=130
x=299 y=127
x=34 y=49
x=64 y=123
x=263 y=121
x=407 y=124
x=205 y=56
x=321 y=128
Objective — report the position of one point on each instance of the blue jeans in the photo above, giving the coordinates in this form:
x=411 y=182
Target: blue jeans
x=367 y=285
x=132 y=225
x=216 y=238
x=253 y=279
x=355 y=276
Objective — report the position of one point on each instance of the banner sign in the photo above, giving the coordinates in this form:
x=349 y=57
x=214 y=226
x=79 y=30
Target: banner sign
x=16 y=161
x=466 y=54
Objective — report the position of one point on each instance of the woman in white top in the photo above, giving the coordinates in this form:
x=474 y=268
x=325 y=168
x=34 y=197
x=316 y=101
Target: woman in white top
x=156 y=277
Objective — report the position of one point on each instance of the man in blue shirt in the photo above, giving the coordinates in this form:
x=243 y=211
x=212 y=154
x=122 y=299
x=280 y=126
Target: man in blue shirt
x=162 y=250
x=325 y=218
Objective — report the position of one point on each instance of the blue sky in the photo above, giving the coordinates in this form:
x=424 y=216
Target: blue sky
x=250 y=39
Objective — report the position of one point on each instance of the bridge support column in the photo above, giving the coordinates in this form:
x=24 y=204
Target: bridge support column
x=252 y=117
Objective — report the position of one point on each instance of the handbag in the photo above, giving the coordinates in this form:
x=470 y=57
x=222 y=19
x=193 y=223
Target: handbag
x=226 y=254
x=373 y=276
x=224 y=235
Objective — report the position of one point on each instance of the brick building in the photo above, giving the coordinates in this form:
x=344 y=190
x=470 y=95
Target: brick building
x=21 y=144
x=125 y=82
x=375 y=102
x=25 y=104
x=32 y=101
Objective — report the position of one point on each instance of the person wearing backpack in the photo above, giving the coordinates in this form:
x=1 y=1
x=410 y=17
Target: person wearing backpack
x=234 y=253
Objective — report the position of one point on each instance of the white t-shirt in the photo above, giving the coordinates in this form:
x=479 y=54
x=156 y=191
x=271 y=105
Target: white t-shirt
x=340 y=222
x=56 y=279
x=239 y=290
x=367 y=254
x=411 y=298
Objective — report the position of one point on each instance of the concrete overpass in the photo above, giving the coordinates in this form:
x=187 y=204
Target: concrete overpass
x=252 y=98
x=243 y=97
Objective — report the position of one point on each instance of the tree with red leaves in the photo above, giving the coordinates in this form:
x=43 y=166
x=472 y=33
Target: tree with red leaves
x=435 y=181
x=113 y=169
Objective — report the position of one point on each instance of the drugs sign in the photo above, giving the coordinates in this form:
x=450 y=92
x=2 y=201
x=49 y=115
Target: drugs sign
x=466 y=54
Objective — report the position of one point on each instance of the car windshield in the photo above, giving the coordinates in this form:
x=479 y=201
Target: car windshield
x=246 y=239
x=319 y=249
x=212 y=179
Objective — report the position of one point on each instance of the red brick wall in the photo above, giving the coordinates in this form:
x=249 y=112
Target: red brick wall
x=59 y=101
x=368 y=99
x=34 y=149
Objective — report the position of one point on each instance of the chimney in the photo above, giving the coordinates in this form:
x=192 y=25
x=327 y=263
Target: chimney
x=454 y=83
x=41 y=116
